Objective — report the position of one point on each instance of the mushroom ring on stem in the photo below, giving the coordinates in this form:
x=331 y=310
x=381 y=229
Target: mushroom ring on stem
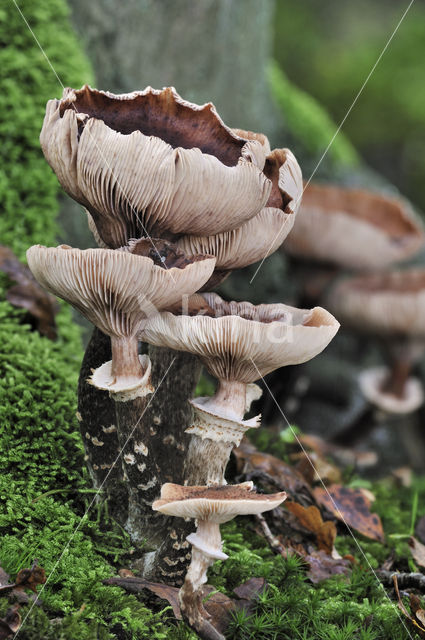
x=149 y=162
x=117 y=291
x=211 y=506
x=391 y=307
x=241 y=344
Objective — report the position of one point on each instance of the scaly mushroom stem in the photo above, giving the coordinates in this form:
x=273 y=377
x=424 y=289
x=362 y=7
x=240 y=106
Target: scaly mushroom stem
x=206 y=550
x=125 y=358
x=217 y=426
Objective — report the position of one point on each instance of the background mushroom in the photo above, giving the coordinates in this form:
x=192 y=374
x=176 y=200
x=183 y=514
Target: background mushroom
x=391 y=307
x=354 y=228
x=238 y=346
x=210 y=506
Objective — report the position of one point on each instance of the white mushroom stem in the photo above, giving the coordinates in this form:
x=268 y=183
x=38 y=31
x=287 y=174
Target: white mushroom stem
x=217 y=427
x=206 y=549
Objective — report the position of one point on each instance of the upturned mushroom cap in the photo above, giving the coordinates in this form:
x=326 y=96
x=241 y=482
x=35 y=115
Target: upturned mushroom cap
x=263 y=234
x=215 y=504
x=371 y=383
x=115 y=290
x=244 y=342
x=353 y=228
x=149 y=162
x=382 y=304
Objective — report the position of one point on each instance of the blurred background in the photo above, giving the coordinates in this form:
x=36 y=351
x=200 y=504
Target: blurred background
x=288 y=68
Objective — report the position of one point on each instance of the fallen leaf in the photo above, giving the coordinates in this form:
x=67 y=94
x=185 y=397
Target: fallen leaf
x=163 y=591
x=323 y=566
x=251 y=589
x=250 y=462
x=311 y=519
x=26 y=579
x=316 y=468
x=10 y=624
x=418 y=551
x=28 y=294
x=351 y=506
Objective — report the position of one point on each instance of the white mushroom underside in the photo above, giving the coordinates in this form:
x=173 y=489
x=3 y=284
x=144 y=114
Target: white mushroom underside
x=371 y=382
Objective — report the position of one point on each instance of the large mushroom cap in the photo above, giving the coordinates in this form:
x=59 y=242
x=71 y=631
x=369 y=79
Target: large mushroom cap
x=216 y=504
x=382 y=304
x=353 y=228
x=263 y=234
x=115 y=290
x=245 y=342
x=149 y=162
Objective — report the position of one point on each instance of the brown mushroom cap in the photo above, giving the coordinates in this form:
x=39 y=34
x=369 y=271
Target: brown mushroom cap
x=353 y=228
x=152 y=163
x=244 y=342
x=383 y=304
x=216 y=504
x=115 y=290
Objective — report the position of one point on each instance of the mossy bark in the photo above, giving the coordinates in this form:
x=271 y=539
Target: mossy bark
x=131 y=463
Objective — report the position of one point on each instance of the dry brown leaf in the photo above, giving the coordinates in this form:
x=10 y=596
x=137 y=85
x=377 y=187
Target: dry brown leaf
x=351 y=506
x=249 y=460
x=311 y=519
x=323 y=566
x=315 y=468
x=418 y=551
x=28 y=294
x=163 y=591
x=343 y=455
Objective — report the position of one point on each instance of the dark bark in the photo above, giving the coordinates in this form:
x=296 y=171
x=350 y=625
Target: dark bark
x=98 y=428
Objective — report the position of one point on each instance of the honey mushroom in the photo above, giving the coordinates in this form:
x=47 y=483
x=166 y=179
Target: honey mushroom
x=210 y=506
x=241 y=344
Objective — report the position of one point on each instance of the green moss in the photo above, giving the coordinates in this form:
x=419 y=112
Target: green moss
x=308 y=122
x=28 y=187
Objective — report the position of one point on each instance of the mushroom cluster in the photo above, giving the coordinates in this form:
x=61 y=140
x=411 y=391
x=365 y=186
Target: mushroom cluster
x=176 y=200
x=360 y=231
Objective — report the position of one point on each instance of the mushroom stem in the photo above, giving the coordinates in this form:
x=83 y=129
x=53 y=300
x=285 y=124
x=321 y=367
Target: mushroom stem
x=125 y=358
x=209 y=449
x=230 y=396
x=205 y=551
x=395 y=383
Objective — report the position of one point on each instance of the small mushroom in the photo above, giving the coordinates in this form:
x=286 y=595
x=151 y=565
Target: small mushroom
x=240 y=345
x=354 y=228
x=151 y=163
x=211 y=506
x=391 y=307
x=117 y=291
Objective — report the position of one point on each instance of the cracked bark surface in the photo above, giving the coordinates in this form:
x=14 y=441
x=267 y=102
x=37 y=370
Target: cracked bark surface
x=97 y=420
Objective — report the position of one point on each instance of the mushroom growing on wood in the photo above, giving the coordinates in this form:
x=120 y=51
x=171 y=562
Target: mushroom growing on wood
x=151 y=163
x=238 y=346
x=116 y=291
x=354 y=228
x=391 y=307
x=210 y=506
